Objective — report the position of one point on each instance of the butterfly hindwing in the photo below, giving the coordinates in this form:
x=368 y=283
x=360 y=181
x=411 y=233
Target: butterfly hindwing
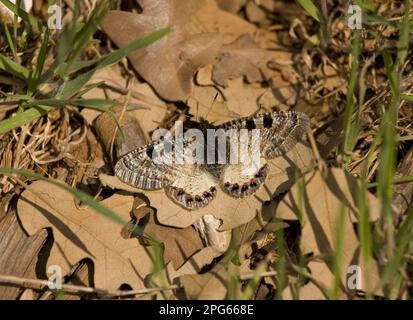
x=242 y=180
x=193 y=188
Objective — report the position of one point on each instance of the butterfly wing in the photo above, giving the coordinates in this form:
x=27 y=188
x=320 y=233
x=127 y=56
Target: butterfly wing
x=279 y=132
x=193 y=188
x=282 y=133
x=152 y=167
x=138 y=168
x=243 y=180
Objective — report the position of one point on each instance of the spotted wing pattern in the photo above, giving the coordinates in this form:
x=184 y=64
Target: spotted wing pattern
x=195 y=186
x=152 y=167
x=279 y=131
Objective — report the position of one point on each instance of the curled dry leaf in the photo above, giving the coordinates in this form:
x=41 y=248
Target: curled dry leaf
x=82 y=233
x=233 y=212
x=322 y=200
x=170 y=63
x=207 y=227
x=260 y=231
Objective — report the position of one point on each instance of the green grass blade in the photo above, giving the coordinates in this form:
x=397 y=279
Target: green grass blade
x=312 y=10
x=351 y=123
x=35 y=77
x=38 y=108
x=338 y=252
x=22 y=118
x=388 y=148
x=99 y=104
x=76 y=84
x=10 y=40
x=29 y=19
x=83 y=35
x=282 y=279
x=13 y=68
x=407 y=98
x=137 y=44
x=85 y=198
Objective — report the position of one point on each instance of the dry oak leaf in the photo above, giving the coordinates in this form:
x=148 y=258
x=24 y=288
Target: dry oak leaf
x=233 y=212
x=242 y=98
x=211 y=18
x=145 y=105
x=195 y=263
x=309 y=291
x=170 y=63
x=241 y=58
x=322 y=201
x=179 y=244
x=232 y=6
x=245 y=58
x=207 y=286
x=206 y=103
x=83 y=233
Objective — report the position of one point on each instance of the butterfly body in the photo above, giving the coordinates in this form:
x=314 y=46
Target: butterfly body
x=162 y=164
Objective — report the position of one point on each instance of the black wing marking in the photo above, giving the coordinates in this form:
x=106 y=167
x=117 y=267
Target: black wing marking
x=279 y=131
x=137 y=168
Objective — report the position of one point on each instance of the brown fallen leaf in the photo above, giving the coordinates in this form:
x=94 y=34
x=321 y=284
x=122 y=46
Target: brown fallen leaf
x=208 y=286
x=232 y=6
x=205 y=103
x=19 y=253
x=322 y=201
x=195 y=263
x=144 y=104
x=207 y=226
x=242 y=98
x=256 y=14
x=331 y=78
x=83 y=233
x=210 y=18
x=243 y=57
x=179 y=244
x=231 y=211
x=169 y=63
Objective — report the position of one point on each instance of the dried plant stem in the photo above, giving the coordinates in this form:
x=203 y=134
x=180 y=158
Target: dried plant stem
x=43 y=284
x=38 y=284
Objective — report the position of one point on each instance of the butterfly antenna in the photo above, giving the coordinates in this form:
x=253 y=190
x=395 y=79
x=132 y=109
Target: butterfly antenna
x=212 y=104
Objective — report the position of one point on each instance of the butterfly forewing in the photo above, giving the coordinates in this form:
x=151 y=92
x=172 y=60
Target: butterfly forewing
x=279 y=131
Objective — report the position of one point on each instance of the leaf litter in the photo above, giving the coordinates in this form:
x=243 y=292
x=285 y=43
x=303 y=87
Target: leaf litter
x=222 y=60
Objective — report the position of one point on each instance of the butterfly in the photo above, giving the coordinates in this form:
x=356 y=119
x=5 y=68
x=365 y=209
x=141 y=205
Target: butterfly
x=195 y=185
